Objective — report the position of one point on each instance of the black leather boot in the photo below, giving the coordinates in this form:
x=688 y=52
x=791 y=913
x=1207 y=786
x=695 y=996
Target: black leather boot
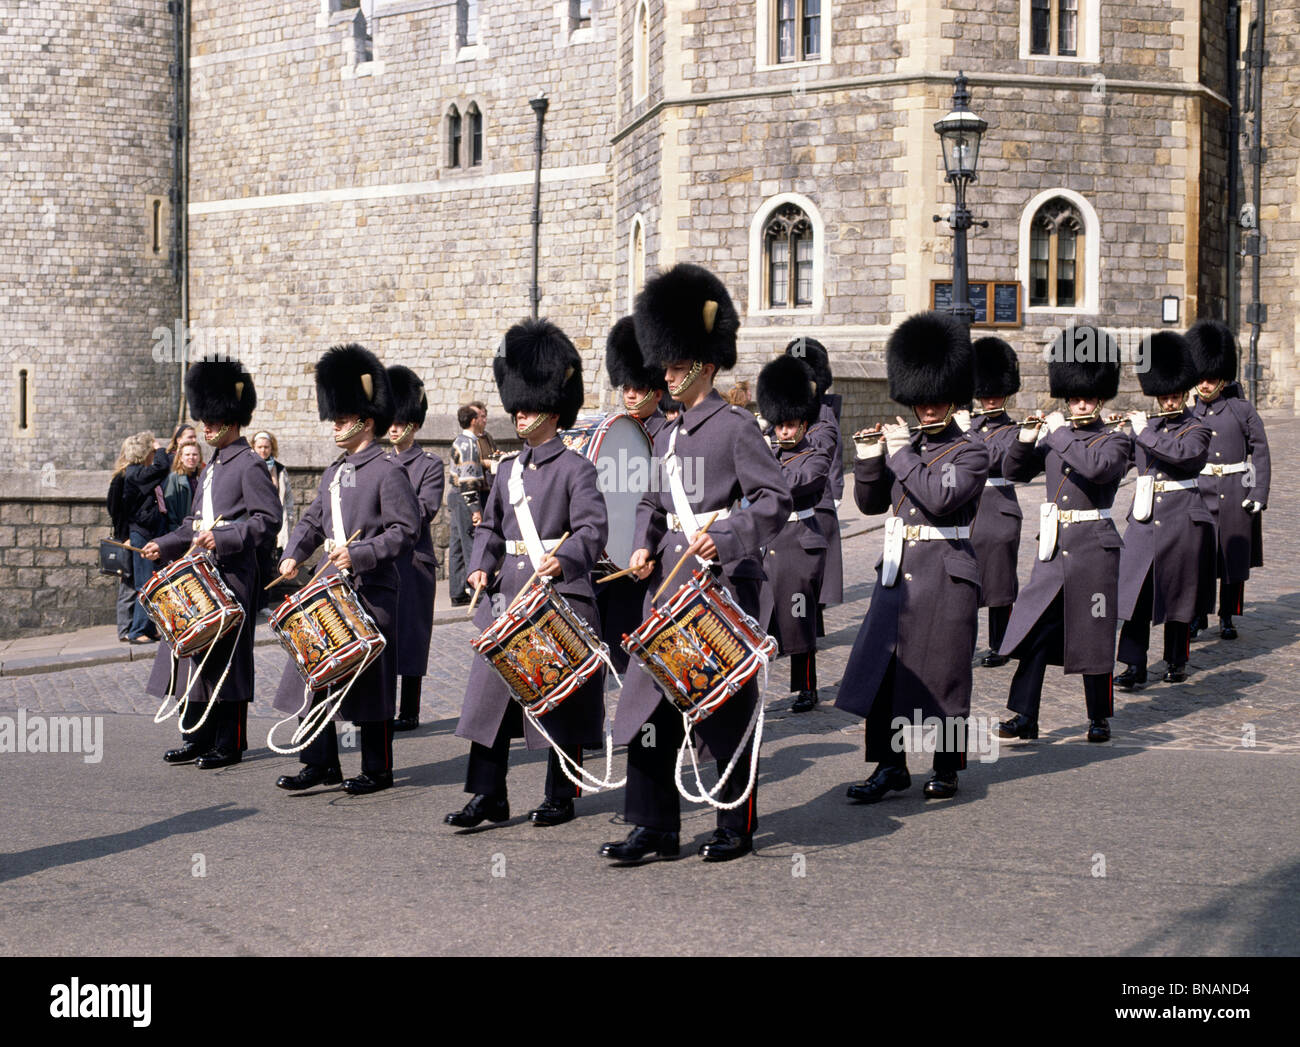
x=640 y=842
x=726 y=845
x=310 y=775
x=1019 y=726
x=1133 y=678
x=552 y=812
x=480 y=809
x=804 y=701
x=1098 y=731
x=884 y=779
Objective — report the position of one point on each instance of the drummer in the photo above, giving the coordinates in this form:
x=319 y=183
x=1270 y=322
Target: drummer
x=364 y=490
x=544 y=493
x=643 y=388
x=796 y=560
x=236 y=509
x=687 y=324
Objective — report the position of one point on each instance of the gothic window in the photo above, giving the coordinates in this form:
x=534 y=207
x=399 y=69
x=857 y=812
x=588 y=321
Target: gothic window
x=1056 y=250
x=641 y=53
x=636 y=259
x=453 y=137
x=475 y=119
x=798 y=30
x=466 y=23
x=788 y=251
x=365 y=43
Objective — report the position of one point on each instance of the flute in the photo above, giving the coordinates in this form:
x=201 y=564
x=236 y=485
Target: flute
x=876 y=434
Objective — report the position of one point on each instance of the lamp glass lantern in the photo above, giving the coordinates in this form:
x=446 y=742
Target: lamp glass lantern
x=960 y=133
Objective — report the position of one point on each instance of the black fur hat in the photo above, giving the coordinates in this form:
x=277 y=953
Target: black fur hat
x=788 y=392
x=1083 y=362
x=1214 y=350
x=1170 y=367
x=351 y=380
x=686 y=314
x=814 y=354
x=928 y=359
x=220 y=391
x=624 y=362
x=997 y=371
x=410 y=404
x=538 y=369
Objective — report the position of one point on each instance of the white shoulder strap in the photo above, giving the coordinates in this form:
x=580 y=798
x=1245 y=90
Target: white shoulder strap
x=524 y=516
x=205 y=524
x=338 y=535
x=681 y=504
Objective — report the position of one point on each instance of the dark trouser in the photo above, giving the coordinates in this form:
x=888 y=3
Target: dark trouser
x=821 y=620
x=266 y=561
x=409 y=708
x=1047 y=634
x=1135 y=635
x=125 y=607
x=880 y=733
x=226 y=727
x=142 y=570
x=998 y=619
x=652 y=799
x=1231 y=595
x=803 y=671
x=459 y=546
x=488 y=763
x=376 y=747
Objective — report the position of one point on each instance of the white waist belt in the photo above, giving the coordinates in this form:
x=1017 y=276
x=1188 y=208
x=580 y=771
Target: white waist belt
x=800 y=514
x=1225 y=470
x=997 y=481
x=675 y=523
x=515 y=548
x=1083 y=515
x=925 y=533
x=1174 y=485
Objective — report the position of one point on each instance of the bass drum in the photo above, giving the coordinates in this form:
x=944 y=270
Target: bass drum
x=621 y=449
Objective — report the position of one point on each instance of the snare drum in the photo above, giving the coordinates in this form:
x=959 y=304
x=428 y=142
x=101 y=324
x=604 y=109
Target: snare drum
x=622 y=452
x=700 y=647
x=328 y=631
x=541 y=648
x=190 y=604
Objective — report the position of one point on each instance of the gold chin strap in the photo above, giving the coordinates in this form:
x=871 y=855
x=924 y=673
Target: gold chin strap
x=636 y=407
x=220 y=433
x=938 y=427
x=531 y=427
x=350 y=431
x=1217 y=390
x=405 y=433
x=696 y=370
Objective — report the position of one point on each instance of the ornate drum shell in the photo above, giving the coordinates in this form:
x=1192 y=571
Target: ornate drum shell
x=327 y=631
x=190 y=604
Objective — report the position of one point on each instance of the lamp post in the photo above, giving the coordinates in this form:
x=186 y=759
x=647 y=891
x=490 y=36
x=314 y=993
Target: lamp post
x=539 y=105
x=959 y=133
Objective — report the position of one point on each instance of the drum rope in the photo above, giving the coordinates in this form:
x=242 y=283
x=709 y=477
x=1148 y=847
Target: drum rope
x=591 y=783
x=755 y=729
x=182 y=703
x=316 y=719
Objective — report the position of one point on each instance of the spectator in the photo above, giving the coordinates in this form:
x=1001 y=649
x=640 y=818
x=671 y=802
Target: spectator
x=184 y=434
x=267 y=447
x=488 y=451
x=121 y=533
x=182 y=483
x=146 y=515
x=465 y=498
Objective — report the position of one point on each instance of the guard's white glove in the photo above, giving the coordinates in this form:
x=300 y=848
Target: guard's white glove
x=868 y=448
x=896 y=438
x=962 y=418
x=1029 y=433
x=1054 y=421
x=1252 y=506
x=1139 y=420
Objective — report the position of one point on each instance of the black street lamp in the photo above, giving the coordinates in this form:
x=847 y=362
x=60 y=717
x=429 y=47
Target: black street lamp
x=960 y=132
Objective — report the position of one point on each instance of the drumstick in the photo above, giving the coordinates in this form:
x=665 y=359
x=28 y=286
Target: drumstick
x=533 y=577
x=623 y=573
x=478 y=591
x=124 y=545
x=702 y=530
x=214 y=524
x=324 y=563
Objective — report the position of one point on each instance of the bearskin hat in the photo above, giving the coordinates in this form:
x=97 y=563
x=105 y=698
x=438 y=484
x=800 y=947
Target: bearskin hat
x=351 y=380
x=928 y=360
x=1083 y=362
x=788 y=392
x=1214 y=350
x=220 y=391
x=624 y=362
x=814 y=354
x=997 y=371
x=1170 y=367
x=538 y=369
x=410 y=404
x=686 y=314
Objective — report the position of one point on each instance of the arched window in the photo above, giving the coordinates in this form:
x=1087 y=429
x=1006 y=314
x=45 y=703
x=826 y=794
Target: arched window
x=1056 y=246
x=788 y=259
x=475 y=119
x=641 y=53
x=635 y=260
x=453 y=137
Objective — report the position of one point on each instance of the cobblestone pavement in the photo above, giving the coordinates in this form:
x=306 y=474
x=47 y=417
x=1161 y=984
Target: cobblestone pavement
x=1234 y=687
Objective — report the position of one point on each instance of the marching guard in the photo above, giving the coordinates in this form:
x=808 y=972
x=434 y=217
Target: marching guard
x=687 y=324
x=544 y=493
x=237 y=507
x=996 y=531
x=1170 y=530
x=912 y=656
x=417 y=569
x=365 y=490
x=1066 y=615
x=1235 y=478
x=796 y=559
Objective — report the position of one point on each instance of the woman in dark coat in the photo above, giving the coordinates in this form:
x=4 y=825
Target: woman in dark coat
x=1066 y=614
x=796 y=558
x=1235 y=479
x=1169 y=528
x=912 y=656
x=418 y=569
x=539 y=375
x=146 y=516
x=996 y=531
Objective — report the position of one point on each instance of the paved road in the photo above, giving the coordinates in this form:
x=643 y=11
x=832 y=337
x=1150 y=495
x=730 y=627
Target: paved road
x=1188 y=812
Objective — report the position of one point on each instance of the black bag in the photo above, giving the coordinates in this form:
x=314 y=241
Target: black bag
x=114 y=559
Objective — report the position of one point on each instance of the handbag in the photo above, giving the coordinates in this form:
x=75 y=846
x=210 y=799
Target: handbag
x=115 y=559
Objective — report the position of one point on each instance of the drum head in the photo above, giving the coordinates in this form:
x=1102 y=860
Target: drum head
x=622 y=453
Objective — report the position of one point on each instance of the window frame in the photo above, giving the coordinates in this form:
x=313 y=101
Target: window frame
x=454 y=127
x=1087 y=32
x=641 y=52
x=767 y=36
x=759 y=260
x=1087 y=260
